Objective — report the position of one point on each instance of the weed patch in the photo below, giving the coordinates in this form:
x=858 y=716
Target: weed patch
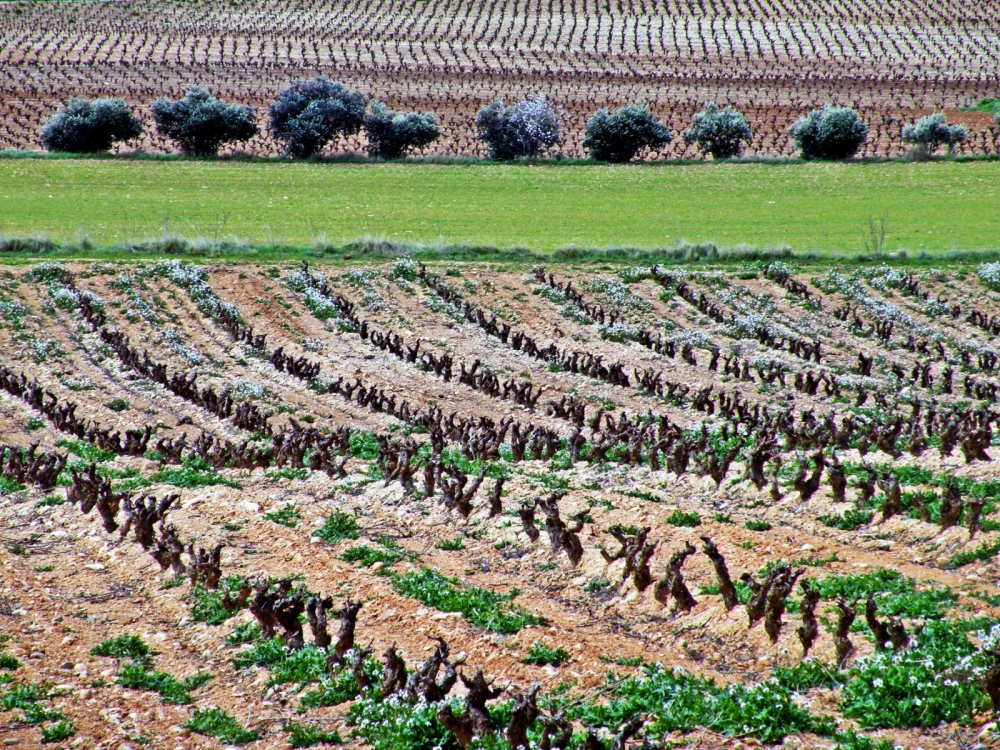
x=214 y=722
x=286 y=516
x=483 y=608
x=338 y=527
x=302 y=735
x=687 y=520
x=123 y=647
x=169 y=688
x=542 y=655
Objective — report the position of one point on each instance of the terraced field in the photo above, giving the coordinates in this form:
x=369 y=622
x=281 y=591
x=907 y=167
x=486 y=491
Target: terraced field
x=495 y=506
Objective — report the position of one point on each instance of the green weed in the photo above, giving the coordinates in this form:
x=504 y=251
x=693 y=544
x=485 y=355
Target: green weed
x=688 y=520
x=170 y=689
x=123 y=647
x=214 y=722
x=86 y=451
x=338 y=527
x=192 y=475
x=850 y=520
x=542 y=655
x=368 y=556
x=301 y=735
x=340 y=687
x=288 y=473
x=57 y=732
x=597 y=586
x=483 y=608
x=206 y=604
x=286 y=516
x=680 y=702
x=299 y=666
x=983 y=553
x=855 y=741
x=248 y=632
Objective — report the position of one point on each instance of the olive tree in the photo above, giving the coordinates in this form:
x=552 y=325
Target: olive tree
x=391 y=134
x=929 y=133
x=618 y=136
x=830 y=133
x=519 y=131
x=719 y=132
x=201 y=124
x=83 y=126
x=309 y=114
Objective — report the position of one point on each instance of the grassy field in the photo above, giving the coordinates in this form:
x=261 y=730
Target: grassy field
x=808 y=207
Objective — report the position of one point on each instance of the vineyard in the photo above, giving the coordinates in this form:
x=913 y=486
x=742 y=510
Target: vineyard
x=774 y=60
x=408 y=506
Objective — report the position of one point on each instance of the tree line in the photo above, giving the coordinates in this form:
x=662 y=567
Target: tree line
x=309 y=114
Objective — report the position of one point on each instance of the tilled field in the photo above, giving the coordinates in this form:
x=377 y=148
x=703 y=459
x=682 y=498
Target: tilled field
x=259 y=490
x=775 y=60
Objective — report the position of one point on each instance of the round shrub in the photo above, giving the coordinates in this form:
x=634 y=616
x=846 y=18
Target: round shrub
x=719 y=132
x=309 y=114
x=519 y=131
x=830 y=133
x=85 y=127
x=619 y=136
x=200 y=123
x=391 y=134
x=929 y=133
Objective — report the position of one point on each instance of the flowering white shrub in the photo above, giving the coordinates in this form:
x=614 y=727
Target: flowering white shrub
x=63 y=297
x=370 y=300
x=613 y=293
x=245 y=389
x=619 y=332
x=194 y=281
x=748 y=326
x=520 y=130
x=884 y=277
x=989 y=274
x=634 y=274
x=318 y=305
x=854 y=290
x=404 y=268
x=778 y=271
x=175 y=342
x=299 y=280
x=359 y=277
x=697 y=339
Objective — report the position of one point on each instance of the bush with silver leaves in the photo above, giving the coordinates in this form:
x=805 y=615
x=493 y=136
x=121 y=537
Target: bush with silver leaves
x=519 y=131
x=86 y=126
x=201 y=124
x=392 y=134
x=719 y=132
x=618 y=136
x=929 y=133
x=310 y=113
x=831 y=133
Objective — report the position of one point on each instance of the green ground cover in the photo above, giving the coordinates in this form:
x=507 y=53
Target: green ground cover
x=941 y=206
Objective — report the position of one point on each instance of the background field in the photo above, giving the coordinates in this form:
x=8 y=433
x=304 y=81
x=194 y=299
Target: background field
x=821 y=207
x=774 y=59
